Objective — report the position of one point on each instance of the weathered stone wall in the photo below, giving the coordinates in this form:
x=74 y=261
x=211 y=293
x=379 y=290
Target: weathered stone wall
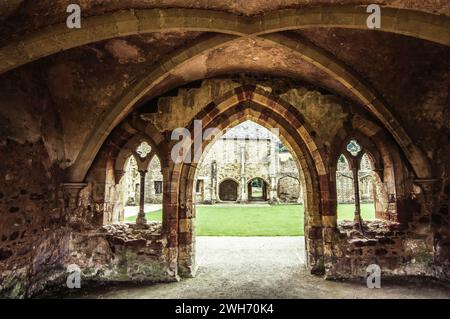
x=118 y=253
x=289 y=189
x=226 y=153
x=45 y=225
x=388 y=245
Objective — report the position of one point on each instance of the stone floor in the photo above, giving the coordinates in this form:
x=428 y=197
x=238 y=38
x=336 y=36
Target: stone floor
x=265 y=267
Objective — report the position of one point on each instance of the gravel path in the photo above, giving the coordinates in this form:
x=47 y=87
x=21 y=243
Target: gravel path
x=265 y=267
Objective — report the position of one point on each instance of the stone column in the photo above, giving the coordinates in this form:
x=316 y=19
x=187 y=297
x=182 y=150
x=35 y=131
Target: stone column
x=358 y=218
x=213 y=182
x=141 y=220
x=71 y=192
x=72 y=211
x=424 y=218
x=244 y=195
x=273 y=169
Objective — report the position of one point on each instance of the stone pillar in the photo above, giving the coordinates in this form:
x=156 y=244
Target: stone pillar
x=244 y=195
x=213 y=182
x=141 y=220
x=72 y=208
x=355 y=171
x=120 y=198
x=273 y=169
x=423 y=220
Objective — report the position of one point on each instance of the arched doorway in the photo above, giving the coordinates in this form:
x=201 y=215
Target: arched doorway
x=257 y=189
x=228 y=190
x=260 y=108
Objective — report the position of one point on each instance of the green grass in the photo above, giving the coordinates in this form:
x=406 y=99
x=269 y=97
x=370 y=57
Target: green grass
x=277 y=220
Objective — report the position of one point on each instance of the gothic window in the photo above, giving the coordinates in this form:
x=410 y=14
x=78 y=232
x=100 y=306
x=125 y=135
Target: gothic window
x=143 y=150
x=344 y=182
x=353 y=147
x=355 y=183
x=366 y=180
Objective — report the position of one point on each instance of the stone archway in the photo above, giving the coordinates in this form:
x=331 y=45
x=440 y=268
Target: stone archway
x=228 y=190
x=257 y=189
x=263 y=109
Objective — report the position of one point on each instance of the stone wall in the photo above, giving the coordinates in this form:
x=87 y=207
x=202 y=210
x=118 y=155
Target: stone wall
x=32 y=242
x=46 y=224
x=226 y=153
x=121 y=253
x=388 y=245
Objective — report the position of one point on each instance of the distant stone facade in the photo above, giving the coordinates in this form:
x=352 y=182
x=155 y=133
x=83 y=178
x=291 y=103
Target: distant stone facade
x=246 y=164
x=249 y=154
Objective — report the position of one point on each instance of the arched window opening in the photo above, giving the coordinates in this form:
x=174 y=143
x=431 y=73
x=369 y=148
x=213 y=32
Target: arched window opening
x=345 y=190
x=154 y=190
x=154 y=182
x=367 y=189
x=355 y=184
x=141 y=185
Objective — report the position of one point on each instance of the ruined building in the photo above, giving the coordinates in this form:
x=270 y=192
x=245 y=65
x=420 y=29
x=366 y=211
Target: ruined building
x=76 y=103
x=248 y=157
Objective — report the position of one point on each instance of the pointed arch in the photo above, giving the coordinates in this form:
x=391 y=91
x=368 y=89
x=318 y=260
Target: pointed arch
x=264 y=109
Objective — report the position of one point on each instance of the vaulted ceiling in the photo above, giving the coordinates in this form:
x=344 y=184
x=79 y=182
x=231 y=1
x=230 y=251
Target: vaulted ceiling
x=91 y=79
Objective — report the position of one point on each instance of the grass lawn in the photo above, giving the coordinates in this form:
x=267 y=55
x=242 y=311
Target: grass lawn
x=277 y=220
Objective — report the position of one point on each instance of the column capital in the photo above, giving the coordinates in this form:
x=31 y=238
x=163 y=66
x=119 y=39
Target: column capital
x=427 y=184
x=71 y=192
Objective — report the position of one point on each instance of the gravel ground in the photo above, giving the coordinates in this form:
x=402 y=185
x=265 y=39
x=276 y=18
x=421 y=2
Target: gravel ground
x=265 y=267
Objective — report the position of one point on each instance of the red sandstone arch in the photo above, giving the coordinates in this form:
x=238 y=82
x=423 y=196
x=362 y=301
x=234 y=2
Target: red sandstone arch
x=229 y=111
x=338 y=71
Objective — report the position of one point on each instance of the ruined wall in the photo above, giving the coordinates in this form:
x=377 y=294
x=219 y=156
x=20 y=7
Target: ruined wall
x=289 y=190
x=44 y=226
x=389 y=245
x=412 y=251
x=227 y=154
x=32 y=242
